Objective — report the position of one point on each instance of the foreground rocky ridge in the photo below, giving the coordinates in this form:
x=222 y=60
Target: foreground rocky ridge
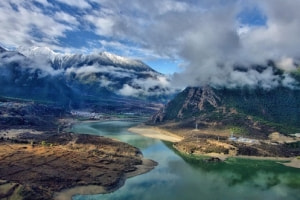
x=39 y=169
x=38 y=159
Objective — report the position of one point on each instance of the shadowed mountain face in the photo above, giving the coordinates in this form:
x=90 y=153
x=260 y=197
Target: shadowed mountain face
x=2 y=50
x=41 y=74
x=276 y=108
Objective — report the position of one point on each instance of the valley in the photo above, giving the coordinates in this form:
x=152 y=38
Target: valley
x=50 y=152
x=63 y=129
x=179 y=175
x=149 y=100
x=224 y=123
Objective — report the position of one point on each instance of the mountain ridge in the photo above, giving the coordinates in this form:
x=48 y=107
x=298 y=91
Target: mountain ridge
x=44 y=74
x=252 y=110
x=105 y=57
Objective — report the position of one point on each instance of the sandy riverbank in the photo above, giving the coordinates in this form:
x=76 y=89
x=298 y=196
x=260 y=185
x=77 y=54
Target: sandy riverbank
x=295 y=162
x=157 y=133
x=146 y=166
x=67 y=194
x=83 y=190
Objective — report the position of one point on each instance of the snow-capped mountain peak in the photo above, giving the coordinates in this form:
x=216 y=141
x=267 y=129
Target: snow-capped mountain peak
x=39 y=52
x=45 y=71
x=45 y=53
x=121 y=60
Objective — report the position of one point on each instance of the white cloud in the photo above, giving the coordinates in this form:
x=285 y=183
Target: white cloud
x=287 y=64
x=28 y=25
x=149 y=83
x=43 y=2
x=45 y=67
x=128 y=50
x=87 y=70
x=104 y=24
x=208 y=36
x=83 y=4
x=127 y=90
x=62 y=16
x=243 y=30
x=169 y=6
x=152 y=86
x=42 y=64
x=105 y=82
x=205 y=34
x=7 y=58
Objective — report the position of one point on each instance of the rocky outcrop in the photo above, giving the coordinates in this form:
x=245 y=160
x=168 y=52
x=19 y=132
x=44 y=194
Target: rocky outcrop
x=191 y=100
x=198 y=99
x=158 y=117
x=208 y=96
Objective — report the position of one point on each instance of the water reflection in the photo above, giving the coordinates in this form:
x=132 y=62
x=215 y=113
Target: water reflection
x=184 y=177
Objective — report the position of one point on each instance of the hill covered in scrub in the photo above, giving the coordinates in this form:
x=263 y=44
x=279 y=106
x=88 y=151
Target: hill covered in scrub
x=249 y=111
x=225 y=122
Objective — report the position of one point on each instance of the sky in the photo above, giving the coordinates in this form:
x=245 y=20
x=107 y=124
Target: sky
x=194 y=41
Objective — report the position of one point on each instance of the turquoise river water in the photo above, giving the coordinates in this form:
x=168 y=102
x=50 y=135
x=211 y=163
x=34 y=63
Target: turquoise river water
x=179 y=177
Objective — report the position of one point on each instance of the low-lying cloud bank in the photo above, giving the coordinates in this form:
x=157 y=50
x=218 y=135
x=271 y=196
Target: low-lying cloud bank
x=116 y=74
x=213 y=38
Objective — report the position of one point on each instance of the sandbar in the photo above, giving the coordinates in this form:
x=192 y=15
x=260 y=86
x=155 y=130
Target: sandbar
x=156 y=133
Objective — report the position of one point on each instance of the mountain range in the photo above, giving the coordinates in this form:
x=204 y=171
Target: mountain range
x=108 y=81
x=38 y=73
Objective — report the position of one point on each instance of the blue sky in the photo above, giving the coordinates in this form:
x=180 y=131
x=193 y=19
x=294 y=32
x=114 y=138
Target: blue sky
x=171 y=36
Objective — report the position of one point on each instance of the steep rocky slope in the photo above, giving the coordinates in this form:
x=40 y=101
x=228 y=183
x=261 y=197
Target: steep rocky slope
x=255 y=111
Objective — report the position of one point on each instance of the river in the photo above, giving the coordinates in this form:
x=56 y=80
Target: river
x=179 y=177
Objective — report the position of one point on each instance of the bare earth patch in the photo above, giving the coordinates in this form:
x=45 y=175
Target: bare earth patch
x=64 y=162
x=279 y=138
x=14 y=133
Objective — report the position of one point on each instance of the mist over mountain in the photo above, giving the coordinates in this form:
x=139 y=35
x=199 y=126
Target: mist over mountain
x=257 y=97
x=40 y=73
x=267 y=75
